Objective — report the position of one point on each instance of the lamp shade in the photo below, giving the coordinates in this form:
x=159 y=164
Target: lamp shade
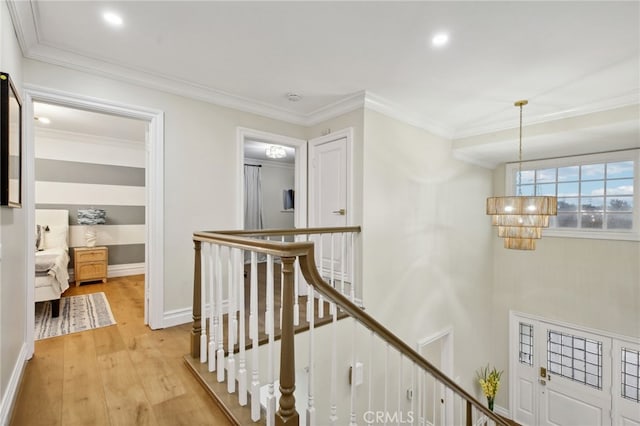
x=92 y=216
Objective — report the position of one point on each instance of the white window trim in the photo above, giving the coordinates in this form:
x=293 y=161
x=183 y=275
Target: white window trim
x=624 y=155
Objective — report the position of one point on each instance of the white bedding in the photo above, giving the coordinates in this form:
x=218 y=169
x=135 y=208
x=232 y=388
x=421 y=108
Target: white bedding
x=54 y=262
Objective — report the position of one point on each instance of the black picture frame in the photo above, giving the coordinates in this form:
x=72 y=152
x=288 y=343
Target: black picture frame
x=10 y=143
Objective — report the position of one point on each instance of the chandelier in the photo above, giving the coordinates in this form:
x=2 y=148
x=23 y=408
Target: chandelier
x=520 y=219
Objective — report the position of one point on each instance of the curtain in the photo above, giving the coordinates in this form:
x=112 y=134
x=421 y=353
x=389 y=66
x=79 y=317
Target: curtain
x=252 y=198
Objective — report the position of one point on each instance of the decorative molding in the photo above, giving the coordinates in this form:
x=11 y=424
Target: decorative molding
x=386 y=107
x=630 y=98
x=11 y=391
x=122 y=270
x=25 y=22
x=269 y=163
x=185 y=315
x=459 y=155
x=65 y=135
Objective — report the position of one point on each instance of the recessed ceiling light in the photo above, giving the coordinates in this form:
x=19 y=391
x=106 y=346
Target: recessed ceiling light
x=440 y=39
x=293 y=97
x=43 y=120
x=112 y=19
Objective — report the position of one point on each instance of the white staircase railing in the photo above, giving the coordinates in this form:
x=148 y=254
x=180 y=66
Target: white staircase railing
x=399 y=387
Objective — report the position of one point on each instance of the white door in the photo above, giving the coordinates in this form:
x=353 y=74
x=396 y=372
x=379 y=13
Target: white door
x=577 y=387
x=568 y=376
x=329 y=197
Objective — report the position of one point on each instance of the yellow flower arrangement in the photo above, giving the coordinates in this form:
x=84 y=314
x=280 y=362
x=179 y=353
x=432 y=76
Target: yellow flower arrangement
x=489 y=380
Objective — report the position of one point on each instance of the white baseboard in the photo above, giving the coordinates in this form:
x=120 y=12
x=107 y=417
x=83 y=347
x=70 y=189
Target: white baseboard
x=125 y=270
x=9 y=397
x=185 y=315
x=122 y=270
x=502 y=411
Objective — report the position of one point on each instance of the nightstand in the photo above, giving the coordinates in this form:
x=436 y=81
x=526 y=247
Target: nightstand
x=90 y=264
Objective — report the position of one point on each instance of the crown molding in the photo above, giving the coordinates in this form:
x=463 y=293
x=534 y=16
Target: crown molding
x=25 y=19
x=65 y=135
x=623 y=100
x=386 y=107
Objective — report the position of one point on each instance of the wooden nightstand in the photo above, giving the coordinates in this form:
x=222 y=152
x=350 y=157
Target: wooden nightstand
x=90 y=264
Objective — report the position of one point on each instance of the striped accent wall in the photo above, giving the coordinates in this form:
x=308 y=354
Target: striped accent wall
x=75 y=171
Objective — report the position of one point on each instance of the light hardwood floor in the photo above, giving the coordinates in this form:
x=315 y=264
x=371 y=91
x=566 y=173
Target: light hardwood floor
x=124 y=374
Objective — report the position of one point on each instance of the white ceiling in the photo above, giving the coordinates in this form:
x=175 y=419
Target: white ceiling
x=566 y=58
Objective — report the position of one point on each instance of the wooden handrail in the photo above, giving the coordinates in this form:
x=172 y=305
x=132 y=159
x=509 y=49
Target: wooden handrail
x=305 y=251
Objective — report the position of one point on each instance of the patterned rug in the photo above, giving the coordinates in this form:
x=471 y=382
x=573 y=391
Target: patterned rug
x=77 y=313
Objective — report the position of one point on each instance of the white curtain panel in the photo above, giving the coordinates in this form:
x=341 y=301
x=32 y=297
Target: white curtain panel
x=252 y=198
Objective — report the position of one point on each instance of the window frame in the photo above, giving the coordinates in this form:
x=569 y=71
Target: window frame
x=633 y=234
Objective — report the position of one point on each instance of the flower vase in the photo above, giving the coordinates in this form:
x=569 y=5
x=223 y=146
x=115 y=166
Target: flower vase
x=490 y=402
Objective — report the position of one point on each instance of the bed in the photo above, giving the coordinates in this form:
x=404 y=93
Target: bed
x=52 y=256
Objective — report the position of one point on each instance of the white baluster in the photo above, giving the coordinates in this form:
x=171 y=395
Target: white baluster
x=296 y=295
x=352 y=259
x=435 y=404
x=352 y=417
x=204 y=254
x=414 y=392
x=269 y=325
x=399 y=411
x=253 y=333
x=214 y=252
x=386 y=379
x=220 y=339
x=321 y=266
x=343 y=255
x=311 y=409
x=370 y=379
x=333 y=415
x=242 y=366
x=231 y=321
x=332 y=278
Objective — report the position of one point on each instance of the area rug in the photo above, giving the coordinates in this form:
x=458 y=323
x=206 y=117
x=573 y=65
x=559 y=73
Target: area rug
x=77 y=313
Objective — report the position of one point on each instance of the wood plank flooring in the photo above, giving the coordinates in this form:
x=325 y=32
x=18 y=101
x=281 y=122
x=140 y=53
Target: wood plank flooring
x=124 y=374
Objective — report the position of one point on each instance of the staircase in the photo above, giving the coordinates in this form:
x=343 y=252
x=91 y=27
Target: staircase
x=356 y=371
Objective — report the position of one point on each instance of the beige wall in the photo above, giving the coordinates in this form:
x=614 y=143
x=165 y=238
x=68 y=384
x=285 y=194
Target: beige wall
x=426 y=240
x=586 y=282
x=13 y=239
x=201 y=169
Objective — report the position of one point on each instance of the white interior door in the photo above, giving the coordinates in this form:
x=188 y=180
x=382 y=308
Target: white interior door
x=329 y=197
x=626 y=393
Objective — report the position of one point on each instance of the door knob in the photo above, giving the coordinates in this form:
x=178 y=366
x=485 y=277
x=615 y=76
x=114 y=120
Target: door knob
x=341 y=212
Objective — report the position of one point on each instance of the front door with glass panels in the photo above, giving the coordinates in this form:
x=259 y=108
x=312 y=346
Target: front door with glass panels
x=568 y=376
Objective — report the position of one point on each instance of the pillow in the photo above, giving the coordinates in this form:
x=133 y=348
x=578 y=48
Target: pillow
x=38 y=237
x=40 y=230
x=56 y=237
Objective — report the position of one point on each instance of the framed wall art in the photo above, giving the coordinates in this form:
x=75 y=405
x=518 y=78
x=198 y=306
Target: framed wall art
x=10 y=143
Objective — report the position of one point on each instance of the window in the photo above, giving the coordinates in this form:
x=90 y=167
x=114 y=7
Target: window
x=575 y=358
x=598 y=195
x=631 y=374
x=526 y=344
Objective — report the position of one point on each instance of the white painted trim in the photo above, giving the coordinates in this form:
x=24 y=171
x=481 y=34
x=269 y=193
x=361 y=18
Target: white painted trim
x=25 y=25
x=514 y=319
x=185 y=315
x=270 y=163
x=242 y=135
x=11 y=392
x=125 y=270
x=334 y=136
x=446 y=360
x=154 y=223
x=502 y=411
x=66 y=135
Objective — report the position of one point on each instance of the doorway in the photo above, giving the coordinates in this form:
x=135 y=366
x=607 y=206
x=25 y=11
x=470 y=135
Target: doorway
x=153 y=192
x=435 y=403
x=563 y=374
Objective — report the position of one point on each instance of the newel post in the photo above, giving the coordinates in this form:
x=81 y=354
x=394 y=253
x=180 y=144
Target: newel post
x=197 y=314
x=287 y=414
